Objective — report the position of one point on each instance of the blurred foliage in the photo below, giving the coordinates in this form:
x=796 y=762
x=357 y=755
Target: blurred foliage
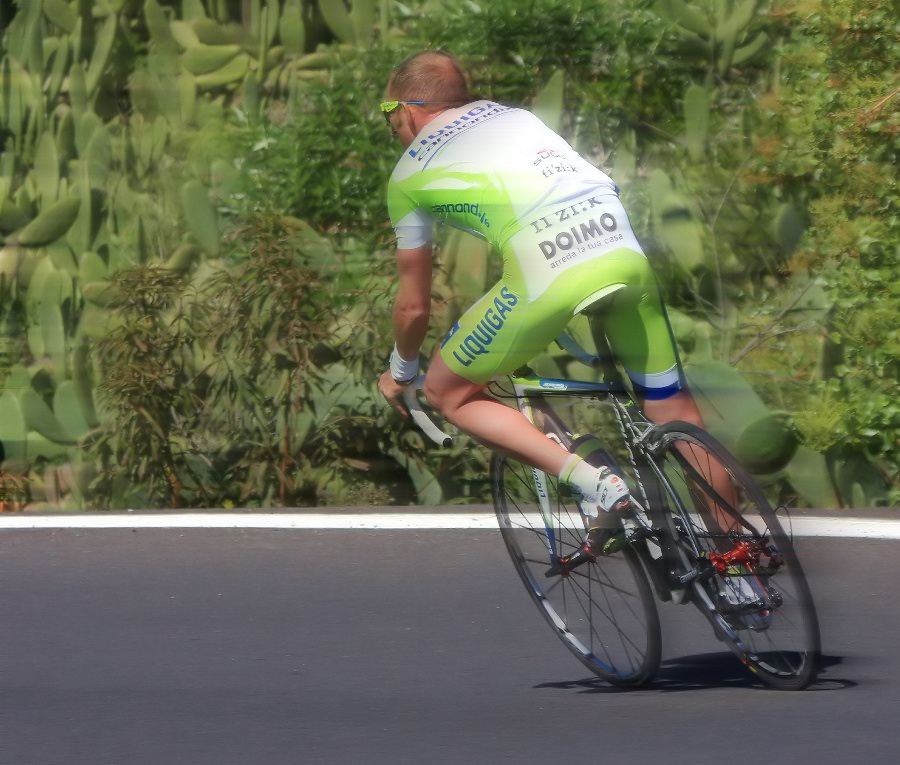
x=835 y=97
x=148 y=391
x=297 y=162
x=271 y=315
x=196 y=278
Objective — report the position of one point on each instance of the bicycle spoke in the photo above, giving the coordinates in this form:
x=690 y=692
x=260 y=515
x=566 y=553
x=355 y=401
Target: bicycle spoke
x=750 y=562
x=604 y=611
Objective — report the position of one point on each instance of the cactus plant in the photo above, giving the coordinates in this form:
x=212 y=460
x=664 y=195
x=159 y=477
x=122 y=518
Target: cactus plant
x=548 y=104
x=696 y=120
x=201 y=216
x=50 y=224
x=12 y=430
x=676 y=227
x=721 y=33
x=768 y=444
x=146 y=198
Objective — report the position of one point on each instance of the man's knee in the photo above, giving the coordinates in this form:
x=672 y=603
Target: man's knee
x=679 y=406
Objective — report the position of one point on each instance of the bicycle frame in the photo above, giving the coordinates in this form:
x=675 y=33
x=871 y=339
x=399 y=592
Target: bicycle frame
x=671 y=548
x=532 y=393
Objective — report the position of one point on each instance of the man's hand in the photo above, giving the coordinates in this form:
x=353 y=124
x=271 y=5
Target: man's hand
x=393 y=392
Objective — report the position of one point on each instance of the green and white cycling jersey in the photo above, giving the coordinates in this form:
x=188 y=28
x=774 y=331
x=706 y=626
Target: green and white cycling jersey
x=502 y=175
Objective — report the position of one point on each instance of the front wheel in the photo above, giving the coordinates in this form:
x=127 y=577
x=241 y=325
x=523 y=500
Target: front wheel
x=603 y=611
x=749 y=582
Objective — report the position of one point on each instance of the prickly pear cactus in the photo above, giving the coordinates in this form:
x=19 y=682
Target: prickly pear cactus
x=86 y=191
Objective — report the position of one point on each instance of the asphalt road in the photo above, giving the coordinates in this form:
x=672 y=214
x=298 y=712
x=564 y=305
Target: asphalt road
x=246 y=647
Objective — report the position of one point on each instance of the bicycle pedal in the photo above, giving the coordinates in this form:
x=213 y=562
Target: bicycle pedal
x=756 y=617
x=726 y=608
x=738 y=598
x=565 y=564
x=637 y=533
x=603 y=541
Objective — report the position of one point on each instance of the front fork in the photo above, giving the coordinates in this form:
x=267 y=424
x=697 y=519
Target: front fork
x=540 y=485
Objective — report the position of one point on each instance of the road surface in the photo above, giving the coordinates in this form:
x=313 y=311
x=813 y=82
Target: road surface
x=245 y=646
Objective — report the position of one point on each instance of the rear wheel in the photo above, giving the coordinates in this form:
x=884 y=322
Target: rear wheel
x=603 y=611
x=750 y=585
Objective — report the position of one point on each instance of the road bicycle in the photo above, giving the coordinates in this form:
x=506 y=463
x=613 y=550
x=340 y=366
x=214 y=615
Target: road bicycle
x=700 y=531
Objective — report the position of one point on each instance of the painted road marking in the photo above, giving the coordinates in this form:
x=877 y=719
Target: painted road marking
x=806 y=526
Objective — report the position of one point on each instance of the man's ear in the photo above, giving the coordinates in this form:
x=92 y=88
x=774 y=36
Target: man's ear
x=412 y=119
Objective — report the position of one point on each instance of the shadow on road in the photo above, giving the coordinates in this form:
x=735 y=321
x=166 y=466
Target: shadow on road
x=700 y=672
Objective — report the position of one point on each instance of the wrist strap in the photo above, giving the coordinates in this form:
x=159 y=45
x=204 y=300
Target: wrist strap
x=403 y=371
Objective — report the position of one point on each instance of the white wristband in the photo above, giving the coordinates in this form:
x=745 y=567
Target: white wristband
x=403 y=371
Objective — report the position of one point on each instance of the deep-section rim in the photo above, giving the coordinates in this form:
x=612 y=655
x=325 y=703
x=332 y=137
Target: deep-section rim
x=588 y=583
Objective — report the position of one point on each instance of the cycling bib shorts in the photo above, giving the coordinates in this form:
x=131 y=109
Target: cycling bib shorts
x=501 y=174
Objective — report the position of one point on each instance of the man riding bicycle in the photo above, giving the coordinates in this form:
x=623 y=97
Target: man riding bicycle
x=566 y=243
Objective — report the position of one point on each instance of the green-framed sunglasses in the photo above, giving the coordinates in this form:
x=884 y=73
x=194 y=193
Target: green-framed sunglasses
x=389 y=107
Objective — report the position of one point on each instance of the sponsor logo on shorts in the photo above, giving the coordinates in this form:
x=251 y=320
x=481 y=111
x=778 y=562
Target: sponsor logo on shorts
x=565 y=213
x=482 y=335
x=577 y=239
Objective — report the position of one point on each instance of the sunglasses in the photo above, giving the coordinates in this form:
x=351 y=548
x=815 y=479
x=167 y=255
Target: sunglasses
x=389 y=107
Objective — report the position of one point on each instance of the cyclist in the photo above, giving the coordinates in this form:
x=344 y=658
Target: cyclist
x=566 y=242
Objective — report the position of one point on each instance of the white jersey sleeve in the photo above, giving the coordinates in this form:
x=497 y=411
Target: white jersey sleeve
x=413 y=230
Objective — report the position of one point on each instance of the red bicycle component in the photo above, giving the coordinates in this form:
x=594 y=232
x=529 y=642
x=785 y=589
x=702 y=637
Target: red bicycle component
x=745 y=553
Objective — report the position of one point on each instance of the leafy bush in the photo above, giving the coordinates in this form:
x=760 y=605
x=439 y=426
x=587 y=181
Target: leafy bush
x=608 y=52
x=148 y=390
x=287 y=346
x=756 y=169
x=361 y=450
x=327 y=160
x=838 y=104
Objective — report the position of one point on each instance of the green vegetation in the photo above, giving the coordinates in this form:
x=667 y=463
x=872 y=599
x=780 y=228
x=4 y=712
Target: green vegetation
x=196 y=275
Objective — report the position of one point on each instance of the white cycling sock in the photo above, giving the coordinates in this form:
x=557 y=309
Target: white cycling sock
x=599 y=488
x=583 y=476
x=576 y=472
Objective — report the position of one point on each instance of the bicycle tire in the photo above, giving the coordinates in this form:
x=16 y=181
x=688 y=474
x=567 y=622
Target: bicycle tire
x=780 y=643
x=604 y=611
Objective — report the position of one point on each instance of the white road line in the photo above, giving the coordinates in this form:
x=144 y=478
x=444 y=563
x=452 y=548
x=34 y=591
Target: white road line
x=866 y=528
x=805 y=527
x=333 y=521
